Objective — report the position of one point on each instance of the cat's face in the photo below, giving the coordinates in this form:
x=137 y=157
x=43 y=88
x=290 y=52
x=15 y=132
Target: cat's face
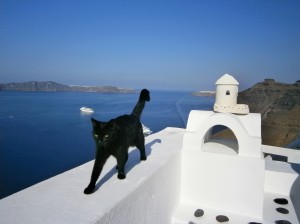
x=99 y=130
x=103 y=132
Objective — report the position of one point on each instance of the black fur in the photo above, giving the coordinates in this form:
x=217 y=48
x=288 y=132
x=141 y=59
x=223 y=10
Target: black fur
x=115 y=137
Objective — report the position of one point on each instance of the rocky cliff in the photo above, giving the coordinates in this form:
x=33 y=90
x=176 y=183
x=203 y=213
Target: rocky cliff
x=53 y=86
x=279 y=105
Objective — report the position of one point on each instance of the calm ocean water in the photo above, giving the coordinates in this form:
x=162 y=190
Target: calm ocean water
x=43 y=134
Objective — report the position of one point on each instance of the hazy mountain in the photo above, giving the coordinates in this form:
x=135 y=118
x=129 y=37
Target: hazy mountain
x=53 y=86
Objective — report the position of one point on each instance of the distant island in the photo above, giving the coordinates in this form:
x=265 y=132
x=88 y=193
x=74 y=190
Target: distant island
x=204 y=93
x=50 y=86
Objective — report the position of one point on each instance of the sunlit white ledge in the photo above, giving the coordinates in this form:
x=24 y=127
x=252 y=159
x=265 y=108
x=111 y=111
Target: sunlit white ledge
x=149 y=193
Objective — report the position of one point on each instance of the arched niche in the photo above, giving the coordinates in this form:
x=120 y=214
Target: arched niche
x=220 y=139
x=246 y=130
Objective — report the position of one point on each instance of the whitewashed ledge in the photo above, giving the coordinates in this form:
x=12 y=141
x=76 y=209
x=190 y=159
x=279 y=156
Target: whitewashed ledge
x=150 y=192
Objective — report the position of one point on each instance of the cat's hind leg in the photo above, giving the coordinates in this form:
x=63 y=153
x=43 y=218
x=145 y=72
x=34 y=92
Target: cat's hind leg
x=141 y=145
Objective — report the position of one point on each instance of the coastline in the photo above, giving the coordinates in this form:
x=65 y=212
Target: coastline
x=50 y=86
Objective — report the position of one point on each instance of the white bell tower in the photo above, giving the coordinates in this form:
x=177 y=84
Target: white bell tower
x=226 y=96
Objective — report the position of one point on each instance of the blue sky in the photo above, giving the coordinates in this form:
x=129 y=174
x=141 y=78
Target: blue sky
x=163 y=44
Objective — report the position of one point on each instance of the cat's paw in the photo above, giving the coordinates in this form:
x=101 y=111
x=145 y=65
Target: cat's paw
x=121 y=176
x=89 y=189
x=143 y=158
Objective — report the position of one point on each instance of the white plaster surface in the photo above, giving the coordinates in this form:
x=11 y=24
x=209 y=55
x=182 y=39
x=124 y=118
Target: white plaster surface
x=226 y=96
x=230 y=183
x=245 y=127
x=293 y=156
x=227 y=79
x=149 y=194
x=270 y=213
x=280 y=177
x=184 y=213
x=232 y=178
x=226 y=100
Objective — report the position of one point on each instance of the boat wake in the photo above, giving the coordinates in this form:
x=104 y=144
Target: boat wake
x=182 y=115
x=7 y=117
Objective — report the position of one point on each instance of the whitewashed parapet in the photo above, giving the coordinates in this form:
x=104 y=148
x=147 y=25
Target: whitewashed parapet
x=149 y=194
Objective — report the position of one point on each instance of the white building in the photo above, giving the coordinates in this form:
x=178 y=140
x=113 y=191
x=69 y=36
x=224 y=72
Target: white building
x=226 y=96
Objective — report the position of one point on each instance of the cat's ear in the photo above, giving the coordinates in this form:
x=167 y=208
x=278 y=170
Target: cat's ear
x=98 y=124
x=94 y=122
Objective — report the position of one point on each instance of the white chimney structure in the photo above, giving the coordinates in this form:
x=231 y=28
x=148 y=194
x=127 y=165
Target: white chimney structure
x=224 y=174
x=226 y=96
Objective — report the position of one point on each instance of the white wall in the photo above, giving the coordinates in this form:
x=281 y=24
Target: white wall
x=233 y=183
x=226 y=100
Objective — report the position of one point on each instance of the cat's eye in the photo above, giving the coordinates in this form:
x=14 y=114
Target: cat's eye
x=105 y=136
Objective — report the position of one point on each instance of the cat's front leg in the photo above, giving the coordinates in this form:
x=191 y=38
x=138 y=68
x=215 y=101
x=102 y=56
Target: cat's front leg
x=121 y=175
x=89 y=189
x=121 y=172
x=100 y=160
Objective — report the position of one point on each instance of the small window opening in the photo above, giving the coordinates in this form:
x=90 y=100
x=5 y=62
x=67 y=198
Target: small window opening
x=227 y=93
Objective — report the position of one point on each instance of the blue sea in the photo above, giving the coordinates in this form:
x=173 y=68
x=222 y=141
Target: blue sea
x=43 y=134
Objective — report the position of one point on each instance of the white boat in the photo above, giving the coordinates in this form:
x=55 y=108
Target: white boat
x=86 y=110
x=146 y=130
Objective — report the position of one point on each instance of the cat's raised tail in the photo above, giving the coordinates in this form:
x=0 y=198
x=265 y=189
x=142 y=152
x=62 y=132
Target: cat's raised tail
x=138 y=109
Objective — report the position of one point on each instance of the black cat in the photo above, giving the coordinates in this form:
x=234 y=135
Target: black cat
x=115 y=137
